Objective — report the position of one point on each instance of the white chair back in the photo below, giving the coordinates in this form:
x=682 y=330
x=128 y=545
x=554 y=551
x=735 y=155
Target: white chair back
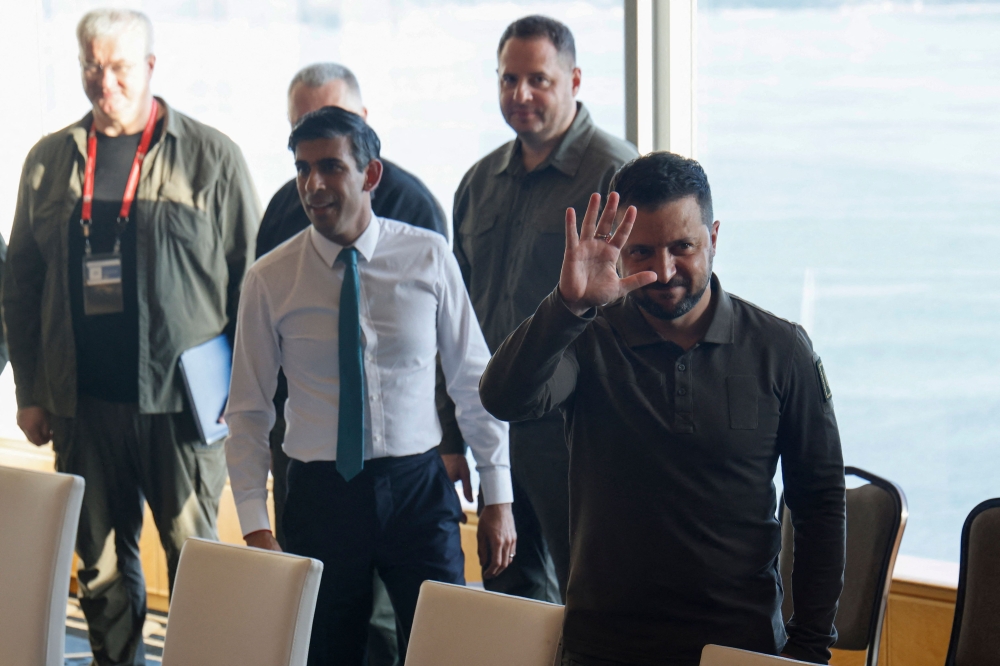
x=716 y=655
x=458 y=626
x=238 y=606
x=39 y=513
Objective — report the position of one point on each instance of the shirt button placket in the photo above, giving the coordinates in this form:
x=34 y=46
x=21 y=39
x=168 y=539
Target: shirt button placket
x=683 y=398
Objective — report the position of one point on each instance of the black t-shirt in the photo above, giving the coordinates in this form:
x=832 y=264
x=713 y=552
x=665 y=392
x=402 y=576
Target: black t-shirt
x=107 y=345
x=399 y=196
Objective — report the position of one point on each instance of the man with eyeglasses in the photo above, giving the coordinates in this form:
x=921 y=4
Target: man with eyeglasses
x=510 y=252
x=132 y=232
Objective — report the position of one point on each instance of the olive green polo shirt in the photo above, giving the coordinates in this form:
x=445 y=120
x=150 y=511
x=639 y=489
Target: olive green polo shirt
x=672 y=454
x=510 y=229
x=196 y=214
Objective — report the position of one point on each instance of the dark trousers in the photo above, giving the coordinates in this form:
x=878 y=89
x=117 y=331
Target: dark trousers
x=383 y=648
x=126 y=457
x=399 y=517
x=540 y=468
x=571 y=659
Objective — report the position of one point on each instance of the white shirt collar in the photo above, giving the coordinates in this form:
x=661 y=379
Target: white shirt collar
x=365 y=244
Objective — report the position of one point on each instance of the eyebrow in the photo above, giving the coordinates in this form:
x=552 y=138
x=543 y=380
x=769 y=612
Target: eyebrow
x=540 y=73
x=322 y=162
x=688 y=239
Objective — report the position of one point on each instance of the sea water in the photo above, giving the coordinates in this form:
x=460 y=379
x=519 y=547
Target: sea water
x=854 y=157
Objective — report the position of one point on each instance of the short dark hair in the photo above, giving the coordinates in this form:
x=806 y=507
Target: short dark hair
x=531 y=27
x=331 y=122
x=656 y=179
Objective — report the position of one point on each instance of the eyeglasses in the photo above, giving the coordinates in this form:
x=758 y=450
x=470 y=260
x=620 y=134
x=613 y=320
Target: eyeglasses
x=93 y=70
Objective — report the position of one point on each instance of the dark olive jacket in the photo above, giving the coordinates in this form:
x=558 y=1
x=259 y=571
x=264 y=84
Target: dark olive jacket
x=196 y=213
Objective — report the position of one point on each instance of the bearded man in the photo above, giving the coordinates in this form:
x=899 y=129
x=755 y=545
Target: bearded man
x=681 y=400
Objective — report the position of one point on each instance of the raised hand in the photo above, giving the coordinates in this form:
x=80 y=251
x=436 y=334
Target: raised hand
x=589 y=276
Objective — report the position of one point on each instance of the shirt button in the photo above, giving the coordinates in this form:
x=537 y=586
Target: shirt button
x=376 y=437
x=681 y=391
x=681 y=367
x=373 y=398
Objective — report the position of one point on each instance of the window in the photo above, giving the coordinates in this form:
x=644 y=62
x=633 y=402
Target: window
x=852 y=152
x=427 y=71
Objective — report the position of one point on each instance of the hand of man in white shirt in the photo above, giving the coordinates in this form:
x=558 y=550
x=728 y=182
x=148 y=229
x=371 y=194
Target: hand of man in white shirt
x=262 y=539
x=458 y=470
x=497 y=539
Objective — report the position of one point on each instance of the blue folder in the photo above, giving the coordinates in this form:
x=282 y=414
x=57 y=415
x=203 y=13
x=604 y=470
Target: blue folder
x=207 y=369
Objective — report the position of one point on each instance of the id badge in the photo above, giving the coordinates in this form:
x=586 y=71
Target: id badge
x=102 y=284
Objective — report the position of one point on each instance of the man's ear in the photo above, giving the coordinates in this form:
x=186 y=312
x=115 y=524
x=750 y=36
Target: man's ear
x=373 y=175
x=577 y=75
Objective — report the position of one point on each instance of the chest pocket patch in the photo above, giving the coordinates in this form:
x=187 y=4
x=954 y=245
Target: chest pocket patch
x=741 y=391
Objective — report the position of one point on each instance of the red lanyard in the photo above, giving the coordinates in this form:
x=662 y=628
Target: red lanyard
x=133 y=177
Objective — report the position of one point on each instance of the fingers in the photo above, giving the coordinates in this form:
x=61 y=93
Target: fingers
x=466 y=483
x=497 y=539
x=490 y=549
x=501 y=558
x=453 y=465
x=572 y=239
x=638 y=280
x=39 y=435
x=457 y=468
x=483 y=549
x=262 y=539
x=607 y=221
x=495 y=565
x=624 y=229
x=510 y=545
x=502 y=549
x=590 y=219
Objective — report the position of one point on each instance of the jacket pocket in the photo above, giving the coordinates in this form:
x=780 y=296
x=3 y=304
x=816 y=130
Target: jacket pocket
x=741 y=391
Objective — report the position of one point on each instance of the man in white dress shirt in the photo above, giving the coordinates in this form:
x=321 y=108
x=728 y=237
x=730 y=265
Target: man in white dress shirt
x=354 y=309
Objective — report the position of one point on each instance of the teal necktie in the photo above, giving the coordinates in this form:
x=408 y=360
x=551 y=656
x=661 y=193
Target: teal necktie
x=351 y=422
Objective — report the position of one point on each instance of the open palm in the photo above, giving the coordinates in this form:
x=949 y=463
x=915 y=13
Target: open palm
x=589 y=276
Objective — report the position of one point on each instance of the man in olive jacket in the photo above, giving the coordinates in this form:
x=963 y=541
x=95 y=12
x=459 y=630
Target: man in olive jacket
x=98 y=314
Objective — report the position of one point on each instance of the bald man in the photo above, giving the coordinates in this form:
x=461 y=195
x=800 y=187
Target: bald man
x=400 y=195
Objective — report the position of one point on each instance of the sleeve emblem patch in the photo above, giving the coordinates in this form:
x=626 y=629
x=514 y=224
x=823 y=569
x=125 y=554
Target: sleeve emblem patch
x=823 y=383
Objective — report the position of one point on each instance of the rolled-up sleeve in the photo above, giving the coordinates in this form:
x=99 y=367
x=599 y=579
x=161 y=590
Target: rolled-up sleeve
x=464 y=355
x=250 y=412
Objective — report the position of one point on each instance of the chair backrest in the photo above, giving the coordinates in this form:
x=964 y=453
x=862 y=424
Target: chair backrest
x=716 y=655
x=876 y=518
x=238 y=606
x=975 y=634
x=39 y=513
x=455 y=625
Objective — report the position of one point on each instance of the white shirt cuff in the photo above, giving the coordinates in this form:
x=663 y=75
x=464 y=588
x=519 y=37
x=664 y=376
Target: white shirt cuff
x=253 y=516
x=496 y=485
